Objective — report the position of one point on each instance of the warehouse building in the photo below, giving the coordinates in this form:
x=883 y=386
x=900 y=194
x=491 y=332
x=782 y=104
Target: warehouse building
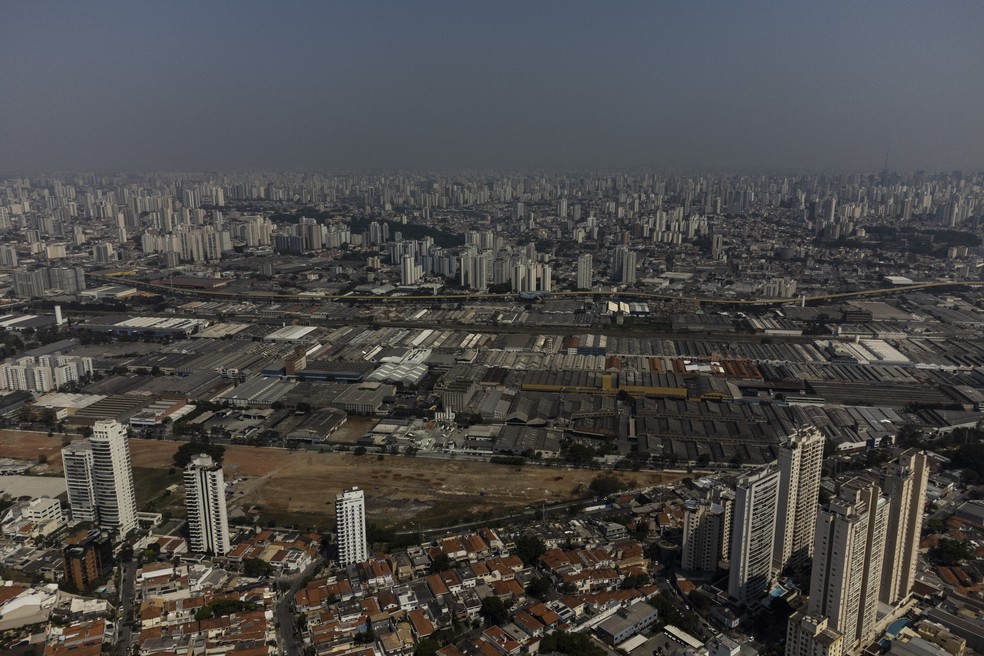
x=365 y=398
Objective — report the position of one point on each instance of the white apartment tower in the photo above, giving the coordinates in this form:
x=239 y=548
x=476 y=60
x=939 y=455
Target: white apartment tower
x=800 y=467
x=847 y=563
x=584 y=271
x=707 y=531
x=753 y=533
x=410 y=270
x=112 y=476
x=350 y=522
x=208 y=522
x=623 y=266
x=812 y=636
x=905 y=485
x=99 y=478
x=77 y=466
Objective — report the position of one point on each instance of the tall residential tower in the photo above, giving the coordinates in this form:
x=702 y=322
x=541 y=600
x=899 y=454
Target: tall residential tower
x=208 y=524
x=847 y=563
x=753 y=533
x=905 y=485
x=99 y=478
x=800 y=466
x=350 y=522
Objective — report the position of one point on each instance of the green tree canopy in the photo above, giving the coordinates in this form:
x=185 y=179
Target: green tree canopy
x=189 y=450
x=539 y=587
x=605 y=484
x=529 y=548
x=494 y=611
x=256 y=567
x=573 y=644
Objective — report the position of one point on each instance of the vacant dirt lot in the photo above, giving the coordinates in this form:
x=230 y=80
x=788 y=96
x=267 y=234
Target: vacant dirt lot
x=28 y=445
x=300 y=486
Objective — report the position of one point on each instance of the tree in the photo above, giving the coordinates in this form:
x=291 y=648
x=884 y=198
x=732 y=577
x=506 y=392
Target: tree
x=254 y=567
x=494 y=611
x=529 y=548
x=605 y=485
x=934 y=526
x=427 y=647
x=440 y=563
x=636 y=580
x=573 y=644
x=539 y=587
x=579 y=454
x=951 y=552
x=699 y=601
x=672 y=612
x=359 y=450
x=189 y=450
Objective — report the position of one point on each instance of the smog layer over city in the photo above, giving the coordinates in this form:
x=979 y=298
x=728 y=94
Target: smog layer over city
x=491 y=329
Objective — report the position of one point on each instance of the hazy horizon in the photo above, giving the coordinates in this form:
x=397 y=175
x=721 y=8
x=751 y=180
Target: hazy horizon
x=757 y=86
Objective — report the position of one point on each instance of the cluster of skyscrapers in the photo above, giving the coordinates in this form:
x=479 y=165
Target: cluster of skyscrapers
x=99 y=479
x=860 y=545
x=43 y=373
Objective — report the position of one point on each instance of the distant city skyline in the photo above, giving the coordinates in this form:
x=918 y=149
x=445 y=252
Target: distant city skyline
x=760 y=86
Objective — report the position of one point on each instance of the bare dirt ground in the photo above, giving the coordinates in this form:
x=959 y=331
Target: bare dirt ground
x=29 y=445
x=352 y=430
x=300 y=486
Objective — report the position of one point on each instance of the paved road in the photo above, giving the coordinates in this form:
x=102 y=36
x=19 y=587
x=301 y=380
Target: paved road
x=124 y=624
x=288 y=641
x=165 y=290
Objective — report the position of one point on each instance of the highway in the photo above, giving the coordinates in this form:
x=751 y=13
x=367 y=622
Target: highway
x=167 y=290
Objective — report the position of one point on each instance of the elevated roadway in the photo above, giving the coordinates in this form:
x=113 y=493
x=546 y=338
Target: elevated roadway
x=219 y=294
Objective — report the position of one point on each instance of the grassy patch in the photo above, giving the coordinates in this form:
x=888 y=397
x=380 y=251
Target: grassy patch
x=151 y=488
x=452 y=513
x=304 y=521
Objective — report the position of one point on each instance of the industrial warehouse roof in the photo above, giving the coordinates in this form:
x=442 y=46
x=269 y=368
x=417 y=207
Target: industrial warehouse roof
x=290 y=333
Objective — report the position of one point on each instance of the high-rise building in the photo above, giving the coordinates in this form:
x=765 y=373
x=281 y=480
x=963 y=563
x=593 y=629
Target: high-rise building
x=847 y=561
x=584 y=271
x=88 y=559
x=208 y=524
x=99 y=478
x=624 y=265
x=350 y=523
x=103 y=253
x=8 y=255
x=112 y=476
x=812 y=636
x=707 y=531
x=77 y=466
x=905 y=485
x=30 y=284
x=800 y=467
x=753 y=533
x=410 y=270
x=67 y=279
